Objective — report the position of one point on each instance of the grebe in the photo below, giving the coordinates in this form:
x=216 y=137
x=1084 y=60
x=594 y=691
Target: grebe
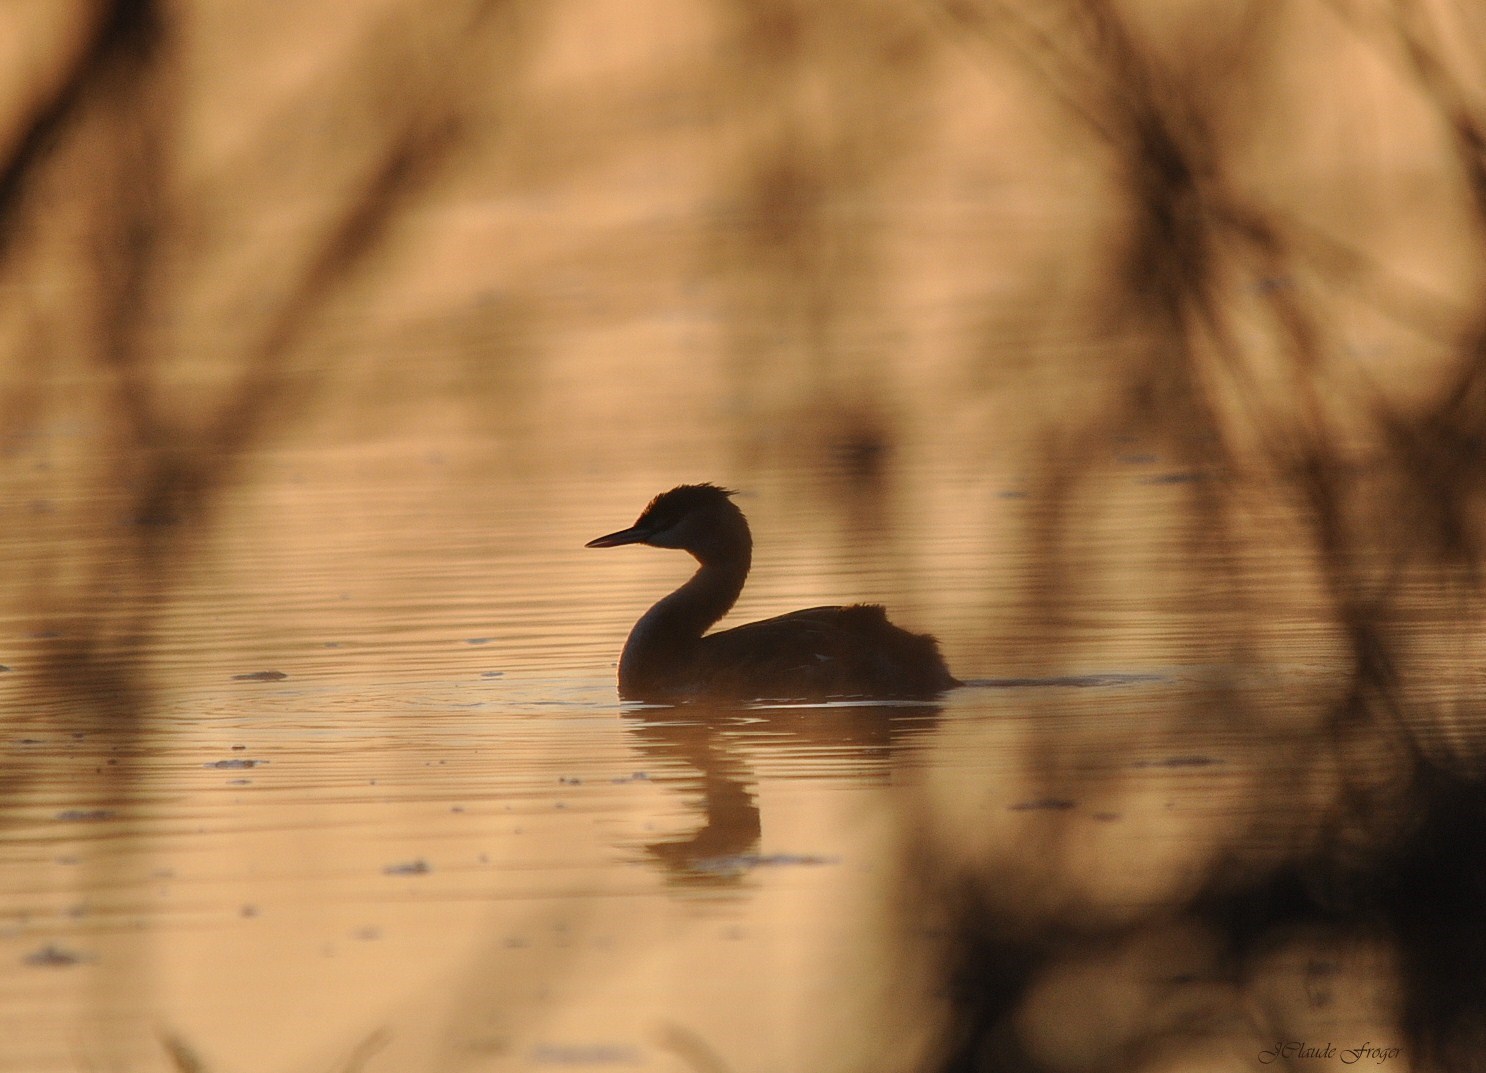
x=818 y=653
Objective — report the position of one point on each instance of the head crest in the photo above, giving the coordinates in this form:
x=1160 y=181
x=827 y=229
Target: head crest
x=693 y=493
x=683 y=499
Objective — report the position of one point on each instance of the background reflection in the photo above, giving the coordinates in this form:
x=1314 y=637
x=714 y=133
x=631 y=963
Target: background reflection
x=1136 y=349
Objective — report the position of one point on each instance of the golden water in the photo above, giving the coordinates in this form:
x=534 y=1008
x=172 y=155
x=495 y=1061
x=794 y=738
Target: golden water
x=438 y=841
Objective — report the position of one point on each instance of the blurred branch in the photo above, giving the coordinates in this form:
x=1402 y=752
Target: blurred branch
x=122 y=32
x=106 y=142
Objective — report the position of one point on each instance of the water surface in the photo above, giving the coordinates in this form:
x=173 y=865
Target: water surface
x=388 y=808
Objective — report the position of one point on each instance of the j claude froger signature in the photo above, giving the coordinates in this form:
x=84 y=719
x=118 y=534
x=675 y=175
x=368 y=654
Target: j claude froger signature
x=1350 y=1056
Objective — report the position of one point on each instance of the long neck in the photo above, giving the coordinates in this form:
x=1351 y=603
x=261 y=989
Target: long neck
x=662 y=644
x=708 y=595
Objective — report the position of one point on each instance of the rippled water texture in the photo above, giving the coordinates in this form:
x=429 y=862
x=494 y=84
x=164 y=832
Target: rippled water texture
x=388 y=799
x=388 y=809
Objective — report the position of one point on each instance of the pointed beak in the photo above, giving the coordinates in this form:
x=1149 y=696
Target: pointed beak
x=632 y=535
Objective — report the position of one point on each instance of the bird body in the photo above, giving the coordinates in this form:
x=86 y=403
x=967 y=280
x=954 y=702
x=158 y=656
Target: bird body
x=815 y=654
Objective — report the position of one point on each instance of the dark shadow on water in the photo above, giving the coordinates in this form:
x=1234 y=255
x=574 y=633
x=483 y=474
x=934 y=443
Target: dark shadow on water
x=1350 y=835
x=1207 y=963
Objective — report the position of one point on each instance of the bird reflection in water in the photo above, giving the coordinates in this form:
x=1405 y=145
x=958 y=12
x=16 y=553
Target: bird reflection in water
x=720 y=744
